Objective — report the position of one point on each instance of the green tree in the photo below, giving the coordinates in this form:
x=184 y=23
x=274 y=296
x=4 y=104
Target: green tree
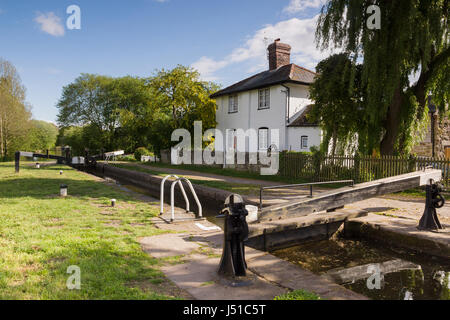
x=14 y=112
x=136 y=102
x=42 y=135
x=73 y=137
x=185 y=97
x=413 y=38
x=88 y=102
x=338 y=102
x=130 y=112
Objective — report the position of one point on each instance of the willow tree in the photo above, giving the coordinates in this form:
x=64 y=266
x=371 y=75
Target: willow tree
x=338 y=99
x=413 y=40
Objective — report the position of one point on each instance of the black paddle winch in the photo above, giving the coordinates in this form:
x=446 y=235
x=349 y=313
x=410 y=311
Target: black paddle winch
x=434 y=200
x=235 y=233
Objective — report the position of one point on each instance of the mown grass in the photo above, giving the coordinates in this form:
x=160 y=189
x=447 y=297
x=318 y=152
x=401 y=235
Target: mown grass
x=41 y=235
x=415 y=193
x=298 y=295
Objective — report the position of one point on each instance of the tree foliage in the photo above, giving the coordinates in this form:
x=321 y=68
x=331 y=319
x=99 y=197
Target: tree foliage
x=338 y=108
x=17 y=130
x=14 y=112
x=131 y=112
x=413 y=39
x=42 y=136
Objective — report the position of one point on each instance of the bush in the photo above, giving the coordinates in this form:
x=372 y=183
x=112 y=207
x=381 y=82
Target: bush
x=141 y=152
x=129 y=157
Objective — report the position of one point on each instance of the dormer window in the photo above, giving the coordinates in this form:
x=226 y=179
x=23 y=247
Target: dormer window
x=264 y=99
x=233 y=104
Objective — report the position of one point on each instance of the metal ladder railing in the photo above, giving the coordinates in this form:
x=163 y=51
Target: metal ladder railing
x=182 y=191
x=172 y=196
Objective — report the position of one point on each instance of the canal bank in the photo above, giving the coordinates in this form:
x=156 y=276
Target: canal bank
x=270 y=268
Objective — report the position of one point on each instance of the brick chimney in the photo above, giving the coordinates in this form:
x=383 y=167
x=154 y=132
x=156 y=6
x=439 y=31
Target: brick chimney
x=279 y=55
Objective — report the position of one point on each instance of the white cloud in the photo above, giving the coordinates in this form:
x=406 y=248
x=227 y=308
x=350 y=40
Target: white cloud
x=207 y=66
x=299 y=33
x=296 y=6
x=50 y=23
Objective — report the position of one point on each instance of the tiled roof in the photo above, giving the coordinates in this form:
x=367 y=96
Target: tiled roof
x=287 y=73
x=301 y=119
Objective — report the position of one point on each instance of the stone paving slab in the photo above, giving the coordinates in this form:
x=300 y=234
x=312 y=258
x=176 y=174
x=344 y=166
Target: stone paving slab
x=197 y=273
x=168 y=245
x=199 y=277
x=404 y=207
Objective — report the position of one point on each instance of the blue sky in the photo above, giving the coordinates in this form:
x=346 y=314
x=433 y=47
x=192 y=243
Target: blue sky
x=224 y=40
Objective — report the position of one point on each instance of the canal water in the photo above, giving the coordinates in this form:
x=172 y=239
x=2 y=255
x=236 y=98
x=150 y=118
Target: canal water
x=429 y=281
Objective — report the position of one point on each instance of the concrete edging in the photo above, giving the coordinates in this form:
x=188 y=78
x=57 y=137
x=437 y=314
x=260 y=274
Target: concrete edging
x=400 y=233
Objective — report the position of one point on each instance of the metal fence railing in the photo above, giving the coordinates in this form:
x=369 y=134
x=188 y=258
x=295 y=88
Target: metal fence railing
x=360 y=169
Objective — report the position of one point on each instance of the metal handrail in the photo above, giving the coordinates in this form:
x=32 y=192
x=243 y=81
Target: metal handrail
x=182 y=191
x=311 y=184
x=172 y=197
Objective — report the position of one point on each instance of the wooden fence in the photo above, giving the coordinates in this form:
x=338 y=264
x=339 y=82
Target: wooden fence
x=360 y=169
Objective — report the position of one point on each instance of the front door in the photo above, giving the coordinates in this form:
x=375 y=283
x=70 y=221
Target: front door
x=447 y=152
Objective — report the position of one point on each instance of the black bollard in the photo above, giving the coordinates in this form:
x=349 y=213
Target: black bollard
x=434 y=200
x=17 y=162
x=236 y=232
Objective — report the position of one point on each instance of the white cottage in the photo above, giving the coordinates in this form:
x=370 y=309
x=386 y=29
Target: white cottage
x=273 y=99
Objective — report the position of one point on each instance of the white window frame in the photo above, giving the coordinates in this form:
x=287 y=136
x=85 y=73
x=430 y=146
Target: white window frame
x=264 y=99
x=260 y=145
x=302 y=144
x=233 y=104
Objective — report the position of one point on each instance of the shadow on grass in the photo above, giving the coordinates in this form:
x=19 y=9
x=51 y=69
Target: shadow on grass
x=40 y=188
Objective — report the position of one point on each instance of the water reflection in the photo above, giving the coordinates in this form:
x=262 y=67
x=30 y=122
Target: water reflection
x=378 y=272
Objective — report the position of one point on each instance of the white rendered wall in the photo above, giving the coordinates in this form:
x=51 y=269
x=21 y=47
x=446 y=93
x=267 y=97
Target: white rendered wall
x=295 y=134
x=248 y=115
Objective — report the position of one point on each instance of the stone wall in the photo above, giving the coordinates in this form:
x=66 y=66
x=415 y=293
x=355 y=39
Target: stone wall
x=442 y=139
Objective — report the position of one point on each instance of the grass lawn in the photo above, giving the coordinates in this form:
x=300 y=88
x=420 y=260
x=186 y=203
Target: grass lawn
x=298 y=295
x=41 y=235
